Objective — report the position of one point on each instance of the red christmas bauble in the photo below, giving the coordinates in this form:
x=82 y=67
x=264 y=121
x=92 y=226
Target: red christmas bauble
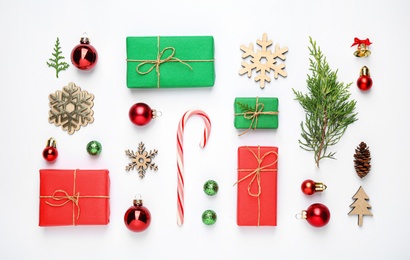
x=318 y=215
x=308 y=187
x=84 y=56
x=140 y=114
x=364 y=82
x=50 y=154
x=137 y=218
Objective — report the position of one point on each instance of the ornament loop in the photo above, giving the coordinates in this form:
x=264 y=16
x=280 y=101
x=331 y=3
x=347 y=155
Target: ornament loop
x=84 y=38
x=138 y=200
x=301 y=215
x=51 y=142
x=156 y=113
x=364 y=71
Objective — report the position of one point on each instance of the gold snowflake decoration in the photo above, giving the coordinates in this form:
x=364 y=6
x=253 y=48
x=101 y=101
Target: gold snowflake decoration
x=263 y=61
x=71 y=108
x=141 y=160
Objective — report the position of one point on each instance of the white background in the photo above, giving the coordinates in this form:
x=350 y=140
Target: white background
x=28 y=32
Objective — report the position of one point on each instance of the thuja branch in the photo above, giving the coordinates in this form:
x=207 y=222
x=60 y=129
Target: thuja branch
x=329 y=110
x=55 y=62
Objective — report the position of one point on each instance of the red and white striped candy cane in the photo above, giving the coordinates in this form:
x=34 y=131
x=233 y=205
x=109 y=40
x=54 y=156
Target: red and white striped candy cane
x=180 y=155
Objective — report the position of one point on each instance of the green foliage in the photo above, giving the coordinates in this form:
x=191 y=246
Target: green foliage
x=245 y=107
x=55 y=63
x=328 y=109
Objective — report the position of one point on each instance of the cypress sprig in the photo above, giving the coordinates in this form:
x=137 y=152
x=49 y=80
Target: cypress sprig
x=245 y=107
x=328 y=109
x=55 y=63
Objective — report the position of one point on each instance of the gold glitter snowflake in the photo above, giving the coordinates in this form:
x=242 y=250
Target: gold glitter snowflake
x=71 y=108
x=141 y=160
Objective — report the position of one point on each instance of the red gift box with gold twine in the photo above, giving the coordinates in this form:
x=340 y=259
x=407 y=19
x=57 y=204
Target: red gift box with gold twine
x=74 y=197
x=257 y=186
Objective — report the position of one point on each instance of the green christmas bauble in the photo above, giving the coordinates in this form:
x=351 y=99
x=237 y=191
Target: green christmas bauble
x=94 y=148
x=209 y=217
x=211 y=187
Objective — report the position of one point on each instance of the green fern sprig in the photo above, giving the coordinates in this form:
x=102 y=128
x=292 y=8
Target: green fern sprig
x=245 y=107
x=328 y=109
x=55 y=63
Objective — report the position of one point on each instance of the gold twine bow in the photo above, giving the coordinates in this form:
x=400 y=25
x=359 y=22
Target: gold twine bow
x=253 y=115
x=74 y=199
x=256 y=175
x=69 y=198
x=157 y=62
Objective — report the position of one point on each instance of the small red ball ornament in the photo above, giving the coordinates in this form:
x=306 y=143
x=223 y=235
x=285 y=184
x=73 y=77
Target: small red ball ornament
x=317 y=215
x=137 y=218
x=141 y=114
x=84 y=56
x=309 y=187
x=50 y=153
x=364 y=82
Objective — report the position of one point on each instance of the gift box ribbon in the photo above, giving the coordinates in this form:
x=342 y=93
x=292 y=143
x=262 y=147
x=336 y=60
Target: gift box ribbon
x=62 y=195
x=157 y=63
x=253 y=115
x=255 y=175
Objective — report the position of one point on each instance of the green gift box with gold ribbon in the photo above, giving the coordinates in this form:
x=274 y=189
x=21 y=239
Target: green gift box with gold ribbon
x=170 y=62
x=256 y=113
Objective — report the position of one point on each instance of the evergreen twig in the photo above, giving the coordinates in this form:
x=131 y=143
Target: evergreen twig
x=245 y=107
x=55 y=63
x=328 y=109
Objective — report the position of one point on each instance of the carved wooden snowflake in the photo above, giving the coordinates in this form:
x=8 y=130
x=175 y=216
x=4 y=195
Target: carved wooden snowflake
x=263 y=61
x=71 y=108
x=141 y=160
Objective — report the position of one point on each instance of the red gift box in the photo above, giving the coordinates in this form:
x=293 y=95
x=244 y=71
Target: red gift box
x=257 y=186
x=74 y=197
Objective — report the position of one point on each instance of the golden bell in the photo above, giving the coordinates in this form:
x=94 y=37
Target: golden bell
x=362 y=51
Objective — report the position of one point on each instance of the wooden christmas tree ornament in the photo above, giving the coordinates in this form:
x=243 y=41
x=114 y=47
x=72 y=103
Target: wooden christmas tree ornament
x=362 y=160
x=360 y=206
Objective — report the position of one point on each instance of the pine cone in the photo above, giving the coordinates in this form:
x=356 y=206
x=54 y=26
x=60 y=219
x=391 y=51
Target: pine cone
x=362 y=160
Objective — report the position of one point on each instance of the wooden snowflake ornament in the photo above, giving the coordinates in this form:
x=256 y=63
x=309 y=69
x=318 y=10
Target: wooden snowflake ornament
x=71 y=108
x=360 y=206
x=263 y=61
x=141 y=160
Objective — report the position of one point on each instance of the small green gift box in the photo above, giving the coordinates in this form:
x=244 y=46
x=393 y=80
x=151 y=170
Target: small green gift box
x=170 y=62
x=256 y=113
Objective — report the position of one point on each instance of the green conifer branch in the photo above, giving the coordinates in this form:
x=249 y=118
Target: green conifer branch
x=55 y=63
x=245 y=107
x=329 y=110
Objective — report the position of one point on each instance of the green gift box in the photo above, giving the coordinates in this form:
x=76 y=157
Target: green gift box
x=170 y=62
x=256 y=113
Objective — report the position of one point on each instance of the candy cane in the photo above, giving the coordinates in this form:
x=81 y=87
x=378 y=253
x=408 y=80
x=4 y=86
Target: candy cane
x=180 y=155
